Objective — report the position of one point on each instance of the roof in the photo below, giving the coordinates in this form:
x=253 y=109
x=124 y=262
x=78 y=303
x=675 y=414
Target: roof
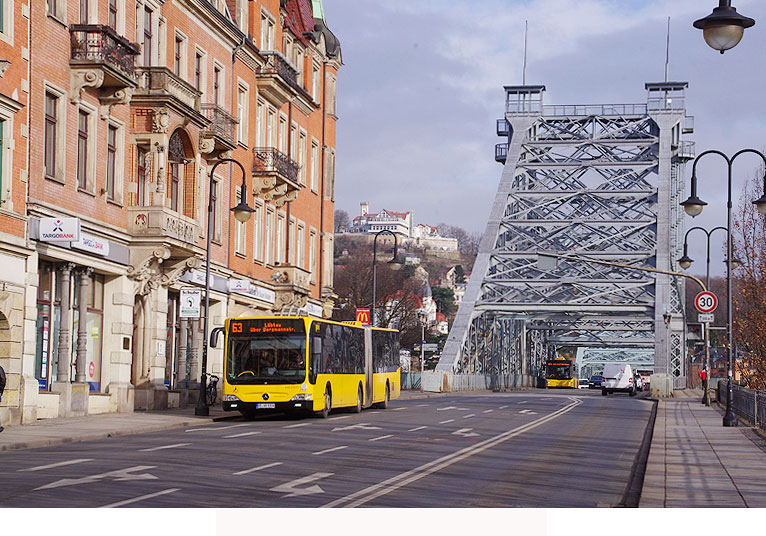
x=440 y=317
x=300 y=18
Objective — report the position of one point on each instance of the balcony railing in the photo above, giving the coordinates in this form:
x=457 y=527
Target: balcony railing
x=277 y=64
x=162 y=82
x=222 y=123
x=98 y=44
x=503 y=128
x=267 y=160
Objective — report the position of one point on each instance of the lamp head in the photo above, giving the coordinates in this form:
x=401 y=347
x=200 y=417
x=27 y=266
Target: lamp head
x=760 y=204
x=685 y=262
x=396 y=263
x=723 y=28
x=693 y=206
x=735 y=262
x=242 y=212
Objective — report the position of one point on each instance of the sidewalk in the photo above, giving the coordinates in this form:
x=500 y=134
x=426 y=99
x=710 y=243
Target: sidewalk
x=695 y=462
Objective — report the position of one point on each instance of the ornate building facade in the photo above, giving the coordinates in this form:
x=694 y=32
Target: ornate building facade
x=152 y=94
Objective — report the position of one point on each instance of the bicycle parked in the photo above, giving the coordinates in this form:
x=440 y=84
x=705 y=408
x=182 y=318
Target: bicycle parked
x=211 y=393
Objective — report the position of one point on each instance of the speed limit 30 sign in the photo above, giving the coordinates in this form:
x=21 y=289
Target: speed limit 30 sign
x=706 y=302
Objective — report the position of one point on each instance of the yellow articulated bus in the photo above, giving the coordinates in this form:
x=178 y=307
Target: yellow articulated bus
x=303 y=364
x=560 y=372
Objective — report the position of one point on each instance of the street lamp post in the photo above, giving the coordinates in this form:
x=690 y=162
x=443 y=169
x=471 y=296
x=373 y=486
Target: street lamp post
x=422 y=318
x=393 y=262
x=685 y=262
x=242 y=213
x=724 y=27
x=693 y=207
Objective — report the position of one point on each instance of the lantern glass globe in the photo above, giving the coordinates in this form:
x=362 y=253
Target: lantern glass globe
x=723 y=37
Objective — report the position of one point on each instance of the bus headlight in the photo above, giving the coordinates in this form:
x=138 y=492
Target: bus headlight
x=230 y=398
x=302 y=396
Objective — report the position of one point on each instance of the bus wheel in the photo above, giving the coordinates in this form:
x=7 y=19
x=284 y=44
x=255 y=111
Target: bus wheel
x=325 y=411
x=384 y=404
x=359 y=401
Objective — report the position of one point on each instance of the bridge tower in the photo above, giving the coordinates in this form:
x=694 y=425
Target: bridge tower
x=579 y=183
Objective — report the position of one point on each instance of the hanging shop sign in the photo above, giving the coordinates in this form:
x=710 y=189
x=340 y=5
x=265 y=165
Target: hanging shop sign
x=246 y=288
x=60 y=229
x=191 y=300
x=92 y=244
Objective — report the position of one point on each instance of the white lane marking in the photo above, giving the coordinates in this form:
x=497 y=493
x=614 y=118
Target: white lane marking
x=448 y=420
x=372 y=412
x=469 y=415
x=372 y=492
x=416 y=429
x=121 y=475
x=259 y=468
x=293 y=491
x=488 y=411
x=423 y=405
x=51 y=466
x=360 y=426
x=528 y=412
x=523 y=401
x=445 y=409
x=341 y=417
x=243 y=434
x=502 y=407
x=465 y=432
x=381 y=437
x=216 y=428
x=545 y=399
x=400 y=409
x=141 y=498
x=325 y=451
x=173 y=446
x=297 y=425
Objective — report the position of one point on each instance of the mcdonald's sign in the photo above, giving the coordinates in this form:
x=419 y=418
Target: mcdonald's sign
x=363 y=316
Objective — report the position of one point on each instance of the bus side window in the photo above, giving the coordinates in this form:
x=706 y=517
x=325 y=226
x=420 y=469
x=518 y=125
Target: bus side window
x=315 y=358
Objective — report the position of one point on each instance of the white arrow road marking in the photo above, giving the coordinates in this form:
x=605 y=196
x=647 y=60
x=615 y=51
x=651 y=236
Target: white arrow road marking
x=173 y=446
x=141 y=498
x=448 y=420
x=416 y=429
x=297 y=425
x=259 y=468
x=528 y=412
x=325 y=451
x=381 y=437
x=465 y=432
x=293 y=491
x=370 y=493
x=51 y=466
x=122 y=475
x=360 y=426
x=469 y=415
x=211 y=428
x=243 y=434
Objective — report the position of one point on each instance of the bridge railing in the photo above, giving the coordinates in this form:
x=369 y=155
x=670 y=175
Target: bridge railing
x=749 y=404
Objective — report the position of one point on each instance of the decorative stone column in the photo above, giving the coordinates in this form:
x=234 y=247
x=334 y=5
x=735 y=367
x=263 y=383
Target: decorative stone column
x=183 y=335
x=82 y=329
x=194 y=358
x=63 y=344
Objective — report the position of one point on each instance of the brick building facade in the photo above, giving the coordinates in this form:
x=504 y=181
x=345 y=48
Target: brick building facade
x=133 y=102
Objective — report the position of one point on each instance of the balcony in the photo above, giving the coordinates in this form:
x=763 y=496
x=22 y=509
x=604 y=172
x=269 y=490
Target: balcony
x=686 y=150
x=160 y=224
x=291 y=285
x=275 y=175
x=159 y=86
x=501 y=152
x=101 y=59
x=503 y=128
x=220 y=134
x=277 y=79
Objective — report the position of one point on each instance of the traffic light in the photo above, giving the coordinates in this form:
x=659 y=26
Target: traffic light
x=695 y=332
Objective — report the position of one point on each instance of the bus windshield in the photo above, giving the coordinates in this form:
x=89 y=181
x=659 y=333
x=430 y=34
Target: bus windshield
x=559 y=371
x=272 y=357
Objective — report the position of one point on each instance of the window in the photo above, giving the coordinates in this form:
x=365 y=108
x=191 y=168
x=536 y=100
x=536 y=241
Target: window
x=82 y=150
x=239 y=229
x=283 y=134
x=268 y=240
x=2 y=160
x=177 y=59
x=329 y=175
x=298 y=63
x=174 y=179
x=314 y=165
x=111 y=161
x=290 y=242
x=271 y=128
x=142 y=176
x=147 y=37
x=112 y=17
x=302 y=158
x=197 y=71
x=260 y=113
x=258 y=231
x=315 y=82
x=312 y=254
x=216 y=85
x=56 y=8
x=84 y=11
x=242 y=101
x=331 y=97
x=267 y=32
x=293 y=141
x=301 y=245
x=281 y=242
x=51 y=127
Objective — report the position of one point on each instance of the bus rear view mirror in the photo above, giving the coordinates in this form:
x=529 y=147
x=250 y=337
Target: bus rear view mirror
x=214 y=337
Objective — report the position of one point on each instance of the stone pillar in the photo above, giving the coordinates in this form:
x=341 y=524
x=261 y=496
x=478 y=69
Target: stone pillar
x=194 y=366
x=181 y=357
x=82 y=329
x=63 y=344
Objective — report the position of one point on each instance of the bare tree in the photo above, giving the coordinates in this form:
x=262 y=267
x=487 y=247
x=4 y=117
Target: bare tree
x=467 y=243
x=342 y=221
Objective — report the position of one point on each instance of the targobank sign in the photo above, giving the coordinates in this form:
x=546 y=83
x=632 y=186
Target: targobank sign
x=60 y=229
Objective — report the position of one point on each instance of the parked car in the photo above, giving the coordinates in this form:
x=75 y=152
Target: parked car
x=618 y=377
x=595 y=381
x=583 y=383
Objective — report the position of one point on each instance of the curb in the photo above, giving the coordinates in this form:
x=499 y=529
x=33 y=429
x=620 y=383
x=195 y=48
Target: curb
x=632 y=496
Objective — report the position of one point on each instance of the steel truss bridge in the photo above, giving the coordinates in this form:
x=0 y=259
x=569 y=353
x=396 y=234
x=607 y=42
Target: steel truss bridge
x=579 y=183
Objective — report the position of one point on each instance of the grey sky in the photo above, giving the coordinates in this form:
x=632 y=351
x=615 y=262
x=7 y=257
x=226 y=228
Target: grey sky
x=422 y=87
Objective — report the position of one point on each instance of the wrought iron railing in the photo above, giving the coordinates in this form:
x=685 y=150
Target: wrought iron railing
x=277 y=64
x=270 y=160
x=97 y=43
x=222 y=123
x=161 y=80
x=749 y=404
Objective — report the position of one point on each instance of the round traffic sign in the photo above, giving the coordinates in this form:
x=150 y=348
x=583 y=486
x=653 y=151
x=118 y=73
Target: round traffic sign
x=706 y=302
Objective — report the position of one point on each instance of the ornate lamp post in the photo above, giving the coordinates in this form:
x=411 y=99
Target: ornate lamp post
x=724 y=27
x=242 y=213
x=693 y=207
x=395 y=265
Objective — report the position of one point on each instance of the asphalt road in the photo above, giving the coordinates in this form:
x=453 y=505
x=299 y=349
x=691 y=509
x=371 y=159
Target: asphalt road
x=524 y=449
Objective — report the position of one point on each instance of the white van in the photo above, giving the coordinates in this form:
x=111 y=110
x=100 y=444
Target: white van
x=617 y=377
